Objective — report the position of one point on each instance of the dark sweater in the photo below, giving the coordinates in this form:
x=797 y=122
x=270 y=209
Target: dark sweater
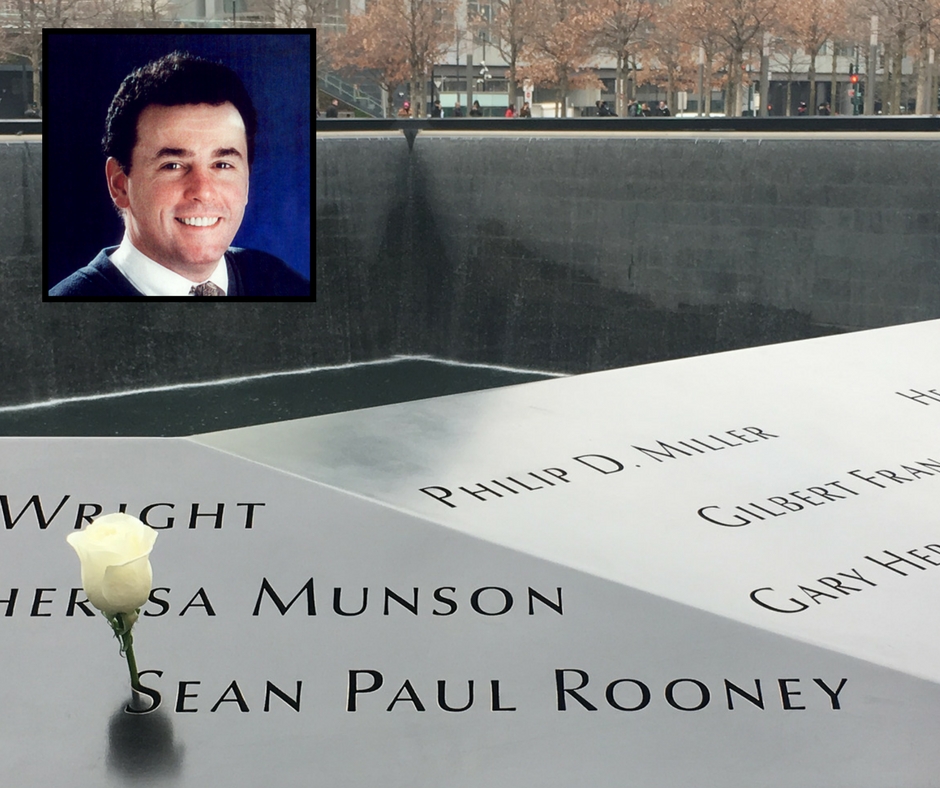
x=250 y=273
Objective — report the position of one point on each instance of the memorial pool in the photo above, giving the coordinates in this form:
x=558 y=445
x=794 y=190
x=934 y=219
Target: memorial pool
x=239 y=402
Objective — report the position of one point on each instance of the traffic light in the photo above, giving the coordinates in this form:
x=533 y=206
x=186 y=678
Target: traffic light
x=855 y=90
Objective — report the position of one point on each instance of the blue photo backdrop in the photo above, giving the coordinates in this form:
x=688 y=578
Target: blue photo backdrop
x=82 y=71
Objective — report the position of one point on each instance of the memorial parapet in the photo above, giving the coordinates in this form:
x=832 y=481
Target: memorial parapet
x=720 y=570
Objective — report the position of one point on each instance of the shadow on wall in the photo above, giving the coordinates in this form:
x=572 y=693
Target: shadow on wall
x=508 y=306
x=477 y=289
x=564 y=255
x=578 y=253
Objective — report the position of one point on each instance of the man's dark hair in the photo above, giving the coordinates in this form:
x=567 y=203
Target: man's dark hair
x=172 y=80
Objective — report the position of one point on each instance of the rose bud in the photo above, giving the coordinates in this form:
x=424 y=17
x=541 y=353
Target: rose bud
x=115 y=555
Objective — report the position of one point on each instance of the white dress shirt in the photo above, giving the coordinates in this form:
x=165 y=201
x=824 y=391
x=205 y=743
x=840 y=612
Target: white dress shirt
x=153 y=279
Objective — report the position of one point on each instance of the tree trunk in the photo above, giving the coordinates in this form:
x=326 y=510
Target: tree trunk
x=923 y=71
x=898 y=79
x=888 y=106
x=707 y=85
x=564 y=93
x=425 y=87
x=882 y=92
x=35 y=60
x=922 y=82
x=932 y=90
x=834 y=84
x=619 y=98
x=731 y=94
x=631 y=82
x=811 y=110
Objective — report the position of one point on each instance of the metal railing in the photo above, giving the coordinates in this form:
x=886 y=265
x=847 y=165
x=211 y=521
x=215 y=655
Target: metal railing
x=351 y=94
x=833 y=123
x=20 y=126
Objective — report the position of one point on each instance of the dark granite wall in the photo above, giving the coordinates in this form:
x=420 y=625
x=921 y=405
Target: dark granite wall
x=51 y=350
x=580 y=252
x=568 y=253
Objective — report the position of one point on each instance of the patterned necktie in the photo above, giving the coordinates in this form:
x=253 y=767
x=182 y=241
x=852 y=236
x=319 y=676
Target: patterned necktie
x=207 y=289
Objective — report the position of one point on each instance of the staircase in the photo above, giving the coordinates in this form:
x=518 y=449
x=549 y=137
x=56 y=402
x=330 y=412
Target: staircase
x=365 y=97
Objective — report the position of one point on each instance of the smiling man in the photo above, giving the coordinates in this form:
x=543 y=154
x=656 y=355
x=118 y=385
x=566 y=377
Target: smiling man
x=179 y=141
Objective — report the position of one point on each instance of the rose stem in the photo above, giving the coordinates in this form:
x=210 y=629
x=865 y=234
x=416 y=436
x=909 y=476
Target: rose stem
x=128 y=642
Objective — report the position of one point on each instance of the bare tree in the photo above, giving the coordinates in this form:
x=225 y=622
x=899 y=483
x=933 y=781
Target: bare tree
x=738 y=24
x=22 y=36
x=833 y=78
x=926 y=30
x=116 y=13
x=327 y=25
x=372 y=43
x=672 y=61
x=624 y=24
x=786 y=58
x=509 y=28
x=299 y=13
x=559 y=51
x=555 y=42
x=426 y=36
x=700 y=29
x=152 y=13
x=810 y=24
x=395 y=39
x=898 y=24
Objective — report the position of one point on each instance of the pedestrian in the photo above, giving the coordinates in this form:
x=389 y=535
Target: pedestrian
x=645 y=110
x=526 y=111
x=801 y=109
x=824 y=109
x=405 y=111
x=664 y=109
x=436 y=111
x=475 y=111
x=632 y=108
x=510 y=111
x=458 y=112
x=333 y=110
x=603 y=111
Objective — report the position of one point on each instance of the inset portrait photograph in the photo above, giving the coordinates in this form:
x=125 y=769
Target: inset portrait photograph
x=176 y=165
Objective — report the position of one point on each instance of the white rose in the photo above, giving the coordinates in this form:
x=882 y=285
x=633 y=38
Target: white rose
x=115 y=555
